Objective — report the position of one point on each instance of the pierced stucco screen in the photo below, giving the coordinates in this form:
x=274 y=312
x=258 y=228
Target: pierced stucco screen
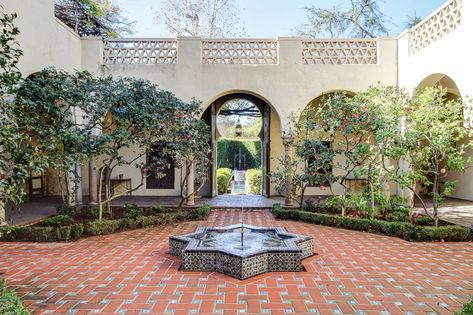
x=131 y=51
x=340 y=52
x=240 y=52
x=441 y=23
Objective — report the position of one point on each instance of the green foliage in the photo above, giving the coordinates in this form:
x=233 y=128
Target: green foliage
x=224 y=175
x=403 y=230
x=425 y=220
x=432 y=144
x=65 y=209
x=103 y=227
x=253 y=178
x=94 y=212
x=76 y=231
x=467 y=309
x=228 y=149
x=10 y=304
x=132 y=211
x=201 y=213
x=63 y=233
x=399 y=214
x=60 y=220
x=26 y=233
x=157 y=210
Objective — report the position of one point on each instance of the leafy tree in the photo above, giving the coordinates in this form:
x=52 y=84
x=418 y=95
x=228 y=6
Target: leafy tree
x=386 y=106
x=431 y=145
x=413 y=20
x=93 y=17
x=362 y=19
x=14 y=163
x=204 y=18
x=56 y=110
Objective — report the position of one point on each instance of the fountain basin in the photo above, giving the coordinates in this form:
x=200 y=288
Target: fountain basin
x=220 y=249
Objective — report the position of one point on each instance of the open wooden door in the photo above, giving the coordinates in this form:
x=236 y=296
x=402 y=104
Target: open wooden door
x=210 y=186
x=265 y=150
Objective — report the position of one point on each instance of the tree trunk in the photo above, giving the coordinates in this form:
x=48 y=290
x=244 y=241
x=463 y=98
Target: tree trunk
x=3 y=216
x=344 y=198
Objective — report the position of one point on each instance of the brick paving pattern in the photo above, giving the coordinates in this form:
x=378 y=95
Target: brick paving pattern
x=131 y=273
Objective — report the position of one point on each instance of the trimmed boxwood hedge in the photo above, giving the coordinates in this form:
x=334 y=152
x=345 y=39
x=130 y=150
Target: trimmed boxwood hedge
x=467 y=309
x=103 y=227
x=10 y=304
x=404 y=230
x=112 y=226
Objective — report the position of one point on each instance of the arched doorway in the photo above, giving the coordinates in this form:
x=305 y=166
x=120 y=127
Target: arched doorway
x=464 y=189
x=252 y=106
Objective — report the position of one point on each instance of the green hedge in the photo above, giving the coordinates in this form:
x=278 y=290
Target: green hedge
x=227 y=149
x=26 y=233
x=404 y=230
x=467 y=309
x=224 y=175
x=112 y=226
x=10 y=304
x=253 y=178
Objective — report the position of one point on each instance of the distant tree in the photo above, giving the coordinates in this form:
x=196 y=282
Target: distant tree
x=413 y=20
x=362 y=19
x=93 y=17
x=204 y=18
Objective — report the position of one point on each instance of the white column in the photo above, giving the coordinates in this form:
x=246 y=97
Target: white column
x=288 y=161
x=93 y=182
x=78 y=185
x=190 y=187
x=3 y=215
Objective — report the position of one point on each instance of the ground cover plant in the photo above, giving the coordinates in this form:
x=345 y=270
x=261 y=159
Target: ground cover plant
x=85 y=222
x=405 y=230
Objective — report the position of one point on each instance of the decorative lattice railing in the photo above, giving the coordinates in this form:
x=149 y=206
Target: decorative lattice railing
x=240 y=52
x=140 y=51
x=340 y=52
x=441 y=23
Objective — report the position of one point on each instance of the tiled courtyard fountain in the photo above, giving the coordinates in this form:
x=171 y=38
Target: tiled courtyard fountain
x=240 y=250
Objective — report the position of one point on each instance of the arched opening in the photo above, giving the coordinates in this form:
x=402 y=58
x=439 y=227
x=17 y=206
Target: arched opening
x=241 y=126
x=464 y=189
x=310 y=116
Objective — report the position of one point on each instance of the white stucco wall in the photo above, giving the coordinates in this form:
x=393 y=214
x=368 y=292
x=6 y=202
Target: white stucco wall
x=45 y=41
x=287 y=86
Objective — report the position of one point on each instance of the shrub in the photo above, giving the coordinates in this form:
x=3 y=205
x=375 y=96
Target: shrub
x=63 y=233
x=201 y=213
x=467 y=309
x=26 y=233
x=59 y=221
x=253 y=178
x=10 y=304
x=65 y=209
x=132 y=211
x=398 y=214
x=224 y=175
x=94 y=212
x=102 y=227
x=157 y=210
x=424 y=220
x=403 y=230
x=76 y=231
x=227 y=149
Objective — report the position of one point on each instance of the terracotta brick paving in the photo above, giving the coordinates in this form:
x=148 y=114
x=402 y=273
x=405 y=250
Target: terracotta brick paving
x=131 y=273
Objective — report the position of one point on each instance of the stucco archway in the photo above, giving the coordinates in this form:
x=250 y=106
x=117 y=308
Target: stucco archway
x=271 y=144
x=464 y=189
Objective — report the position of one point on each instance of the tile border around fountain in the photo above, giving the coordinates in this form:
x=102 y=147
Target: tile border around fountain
x=241 y=266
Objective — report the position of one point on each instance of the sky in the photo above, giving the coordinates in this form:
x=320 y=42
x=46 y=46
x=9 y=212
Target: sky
x=274 y=18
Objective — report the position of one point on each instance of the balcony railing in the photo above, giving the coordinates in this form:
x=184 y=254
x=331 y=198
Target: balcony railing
x=340 y=52
x=438 y=25
x=140 y=51
x=240 y=51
